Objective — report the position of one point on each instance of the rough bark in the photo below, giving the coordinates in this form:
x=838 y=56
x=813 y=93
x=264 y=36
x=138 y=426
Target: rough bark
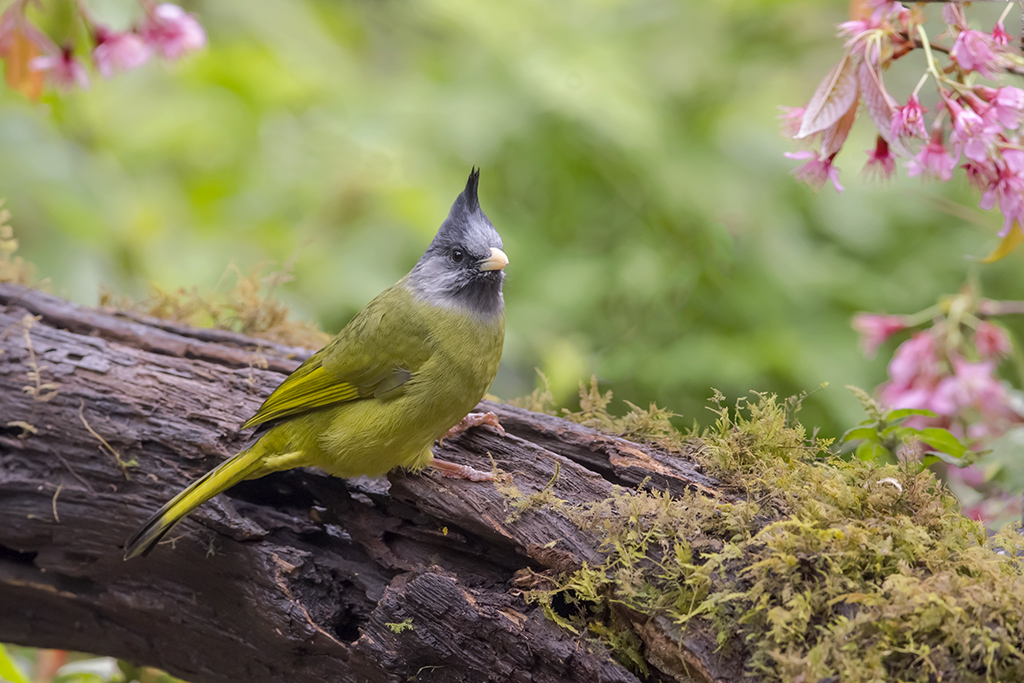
x=295 y=576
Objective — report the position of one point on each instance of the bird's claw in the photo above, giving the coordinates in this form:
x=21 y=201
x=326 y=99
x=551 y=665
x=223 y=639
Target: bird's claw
x=474 y=420
x=455 y=471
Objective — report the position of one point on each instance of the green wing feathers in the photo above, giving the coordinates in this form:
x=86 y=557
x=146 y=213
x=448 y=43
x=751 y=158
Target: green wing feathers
x=300 y=393
x=373 y=357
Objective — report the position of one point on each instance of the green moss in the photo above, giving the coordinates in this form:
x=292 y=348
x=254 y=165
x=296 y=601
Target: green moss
x=520 y=502
x=652 y=424
x=826 y=567
x=248 y=307
x=400 y=626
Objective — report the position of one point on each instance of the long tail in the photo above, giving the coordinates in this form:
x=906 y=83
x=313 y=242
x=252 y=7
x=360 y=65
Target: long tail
x=220 y=478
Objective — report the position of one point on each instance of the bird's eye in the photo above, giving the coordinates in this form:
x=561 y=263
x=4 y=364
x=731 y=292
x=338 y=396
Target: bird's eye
x=458 y=255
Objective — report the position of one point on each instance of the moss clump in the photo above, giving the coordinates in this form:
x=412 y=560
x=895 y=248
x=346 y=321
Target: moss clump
x=520 y=503
x=400 y=626
x=248 y=307
x=652 y=424
x=826 y=568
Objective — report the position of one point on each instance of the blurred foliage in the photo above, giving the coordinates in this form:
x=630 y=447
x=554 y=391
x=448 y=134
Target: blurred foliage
x=630 y=159
x=9 y=670
x=62 y=666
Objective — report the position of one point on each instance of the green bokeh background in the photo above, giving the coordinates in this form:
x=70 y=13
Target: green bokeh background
x=631 y=160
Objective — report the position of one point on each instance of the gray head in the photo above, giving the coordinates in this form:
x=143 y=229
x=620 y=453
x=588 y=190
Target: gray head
x=462 y=267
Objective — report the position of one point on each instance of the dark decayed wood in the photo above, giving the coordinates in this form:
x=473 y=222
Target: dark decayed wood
x=297 y=576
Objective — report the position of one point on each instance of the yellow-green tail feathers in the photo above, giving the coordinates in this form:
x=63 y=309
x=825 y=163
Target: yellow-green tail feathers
x=221 y=478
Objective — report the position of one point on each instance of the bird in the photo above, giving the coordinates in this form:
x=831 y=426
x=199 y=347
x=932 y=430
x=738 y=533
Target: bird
x=404 y=372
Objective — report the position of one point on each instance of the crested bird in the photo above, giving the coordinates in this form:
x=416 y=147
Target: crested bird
x=404 y=372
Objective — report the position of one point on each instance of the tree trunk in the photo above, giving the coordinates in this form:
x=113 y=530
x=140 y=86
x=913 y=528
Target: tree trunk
x=297 y=576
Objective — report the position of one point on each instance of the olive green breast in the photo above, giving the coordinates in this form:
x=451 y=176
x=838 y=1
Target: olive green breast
x=467 y=350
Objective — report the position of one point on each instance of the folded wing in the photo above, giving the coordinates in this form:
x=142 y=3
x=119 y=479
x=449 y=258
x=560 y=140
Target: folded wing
x=374 y=357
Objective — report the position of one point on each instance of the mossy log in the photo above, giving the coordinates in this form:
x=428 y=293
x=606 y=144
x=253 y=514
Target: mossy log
x=297 y=576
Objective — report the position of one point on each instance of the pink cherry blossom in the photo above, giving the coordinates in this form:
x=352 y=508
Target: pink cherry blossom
x=172 y=31
x=953 y=14
x=980 y=174
x=881 y=163
x=972 y=385
x=1007 y=188
x=908 y=121
x=874 y=329
x=975 y=51
x=915 y=360
x=817 y=171
x=791 y=118
x=1005 y=106
x=119 y=52
x=860 y=33
x=899 y=396
x=914 y=372
x=880 y=10
x=62 y=69
x=971 y=133
x=933 y=159
x=858 y=28
x=991 y=341
x=999 y=35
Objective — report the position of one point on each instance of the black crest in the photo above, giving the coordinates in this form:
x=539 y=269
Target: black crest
x=472 y=202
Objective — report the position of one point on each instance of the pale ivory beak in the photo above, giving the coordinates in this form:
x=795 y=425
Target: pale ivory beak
x=497 y=260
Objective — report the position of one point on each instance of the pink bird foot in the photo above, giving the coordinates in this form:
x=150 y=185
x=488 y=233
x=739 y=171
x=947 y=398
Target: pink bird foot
x=474 y=420
x=454 y=471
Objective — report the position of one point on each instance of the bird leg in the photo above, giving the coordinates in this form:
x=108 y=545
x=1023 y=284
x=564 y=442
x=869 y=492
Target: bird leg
x=474 y=420
x=454 y=471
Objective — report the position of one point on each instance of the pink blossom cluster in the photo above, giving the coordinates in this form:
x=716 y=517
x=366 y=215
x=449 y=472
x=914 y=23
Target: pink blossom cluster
x=950 y=370
x=971 y=126
x=925 y=373
x=165 y=29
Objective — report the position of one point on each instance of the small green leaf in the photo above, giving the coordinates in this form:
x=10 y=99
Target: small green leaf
x=946 y=458
x=874 y=452
x=900 y=432
x=942 y=441
x=866 y=433
x=904 y=413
